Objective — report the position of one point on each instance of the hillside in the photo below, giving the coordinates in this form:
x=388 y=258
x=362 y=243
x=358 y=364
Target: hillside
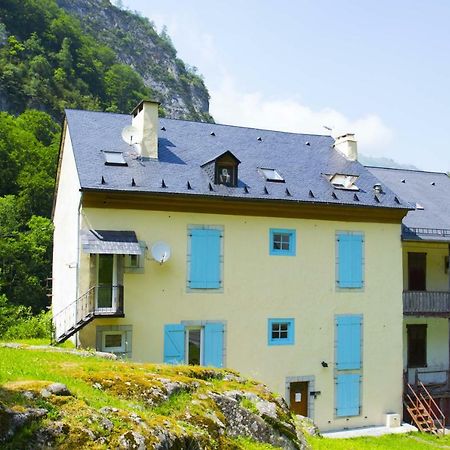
x=90 y=55
x=103 y=403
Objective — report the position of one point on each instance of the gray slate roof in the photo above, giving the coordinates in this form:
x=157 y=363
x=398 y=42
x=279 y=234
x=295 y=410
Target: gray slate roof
x=430 y=190
x=184 y=146
x=110 y=242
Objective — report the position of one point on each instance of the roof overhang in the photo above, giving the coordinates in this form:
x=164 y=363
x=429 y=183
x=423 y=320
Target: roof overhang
x=110 y=242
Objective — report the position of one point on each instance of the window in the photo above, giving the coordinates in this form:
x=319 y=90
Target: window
x=205 y=257
x=135 y=263
x=114 y=339
x=417 y=345
x=281 y=331
x=342 y=181
x=350 y=259
x=272 y=175
x=194 y=344
x=348 y=357
x=282 y=242
x=114 y=159
x=226 y=174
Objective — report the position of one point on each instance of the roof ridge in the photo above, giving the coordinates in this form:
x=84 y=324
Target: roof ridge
x=406 y=170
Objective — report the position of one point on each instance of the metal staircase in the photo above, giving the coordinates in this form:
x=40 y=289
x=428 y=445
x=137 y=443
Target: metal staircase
x=84 y=309
x=423 y=410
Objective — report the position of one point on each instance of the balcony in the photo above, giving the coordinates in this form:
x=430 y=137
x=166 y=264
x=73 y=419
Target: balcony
x=103 y=300
x=426 y=303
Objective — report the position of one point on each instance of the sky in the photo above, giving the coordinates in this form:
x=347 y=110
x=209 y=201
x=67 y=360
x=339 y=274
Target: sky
x=378 y=68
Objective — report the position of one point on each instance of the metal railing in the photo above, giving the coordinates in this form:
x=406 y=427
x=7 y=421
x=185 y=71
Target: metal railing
x=421 y=405
x=410 y=232
x=99 y=301
x=426 y=302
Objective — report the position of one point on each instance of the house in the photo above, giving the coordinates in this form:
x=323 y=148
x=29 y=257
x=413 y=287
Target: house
x=276 y=254
x=426 y=278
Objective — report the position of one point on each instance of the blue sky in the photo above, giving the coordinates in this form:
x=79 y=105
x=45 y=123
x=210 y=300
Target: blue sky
x=375 y=67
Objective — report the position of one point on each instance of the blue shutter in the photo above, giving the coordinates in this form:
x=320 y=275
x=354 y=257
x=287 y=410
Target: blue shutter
x=350 y=260
x=174 y=344
x=205 y=259
x=213 y=347
x=348 y=395
x=348 y=336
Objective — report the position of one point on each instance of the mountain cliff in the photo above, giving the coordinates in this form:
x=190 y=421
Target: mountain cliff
x=90 y=54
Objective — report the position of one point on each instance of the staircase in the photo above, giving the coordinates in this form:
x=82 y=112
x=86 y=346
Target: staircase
x=84 y=309
x=423 y=410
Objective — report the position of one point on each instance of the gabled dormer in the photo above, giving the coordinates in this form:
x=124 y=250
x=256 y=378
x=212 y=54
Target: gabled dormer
x=223 y=169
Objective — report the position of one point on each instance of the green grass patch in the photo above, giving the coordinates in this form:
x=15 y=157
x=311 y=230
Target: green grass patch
x=250 y=444
x=176 y=404
x=408 y=441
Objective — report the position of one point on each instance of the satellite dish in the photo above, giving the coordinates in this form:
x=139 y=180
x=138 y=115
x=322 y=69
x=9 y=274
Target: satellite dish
x=160 y=251
x=131 y=135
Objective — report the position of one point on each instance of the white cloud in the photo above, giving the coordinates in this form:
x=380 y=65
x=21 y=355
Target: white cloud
x=231 y=106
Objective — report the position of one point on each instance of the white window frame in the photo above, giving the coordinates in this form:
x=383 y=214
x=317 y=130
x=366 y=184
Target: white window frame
x=120 y=349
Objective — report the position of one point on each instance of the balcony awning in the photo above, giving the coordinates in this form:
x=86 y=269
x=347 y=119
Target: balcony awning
x=110 y=242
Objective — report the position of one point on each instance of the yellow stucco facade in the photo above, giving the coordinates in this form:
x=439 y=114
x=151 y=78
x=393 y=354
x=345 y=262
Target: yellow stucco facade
x=258 y=286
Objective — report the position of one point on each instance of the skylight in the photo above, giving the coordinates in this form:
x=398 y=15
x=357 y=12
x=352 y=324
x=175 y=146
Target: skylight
x=272 y=175
x=114 y=159
x=343 y=181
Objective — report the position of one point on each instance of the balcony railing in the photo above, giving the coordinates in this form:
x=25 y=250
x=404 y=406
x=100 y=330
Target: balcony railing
x=99 y=301
x=430 y=303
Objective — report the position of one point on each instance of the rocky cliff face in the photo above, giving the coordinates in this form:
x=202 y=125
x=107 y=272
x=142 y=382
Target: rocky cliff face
x=133 y=38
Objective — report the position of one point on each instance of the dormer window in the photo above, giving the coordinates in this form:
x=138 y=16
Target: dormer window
x=343 y=181
x=223 y=169
x=272 y=175
x=114 y=158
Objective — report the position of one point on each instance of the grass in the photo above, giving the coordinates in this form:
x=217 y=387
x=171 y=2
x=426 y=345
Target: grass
x=131 y=388
x=409 y=441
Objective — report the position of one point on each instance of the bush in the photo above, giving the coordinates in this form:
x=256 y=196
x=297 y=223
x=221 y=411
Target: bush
x=18 y=322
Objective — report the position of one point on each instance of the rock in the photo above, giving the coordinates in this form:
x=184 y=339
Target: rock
x=12 y=421
x=107 y=410
x=58 y=389
x=266 y=408
x=132 y=440
x=106 y=424
x=241 y=422
x=29 y=395
x=202 y=396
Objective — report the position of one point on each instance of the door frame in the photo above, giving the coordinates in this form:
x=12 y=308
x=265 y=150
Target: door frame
x=310 y=379
x=114 y=290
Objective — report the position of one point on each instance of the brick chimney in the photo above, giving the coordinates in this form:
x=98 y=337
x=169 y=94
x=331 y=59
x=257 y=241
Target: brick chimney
x=347 y=145
x=145 y=119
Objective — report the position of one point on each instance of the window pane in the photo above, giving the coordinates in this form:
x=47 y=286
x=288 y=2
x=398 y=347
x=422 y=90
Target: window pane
x=113 y=340
x=194 y=347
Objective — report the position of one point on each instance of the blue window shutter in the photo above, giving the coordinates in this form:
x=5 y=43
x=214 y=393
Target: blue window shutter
x=205 y=259
x=213 y=347
x=174 y=344
x=348 y=349
x=350 y=251
x=348 y=395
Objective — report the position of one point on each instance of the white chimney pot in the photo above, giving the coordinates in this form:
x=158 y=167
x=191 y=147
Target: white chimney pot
x=347 y=145
x=145 y=119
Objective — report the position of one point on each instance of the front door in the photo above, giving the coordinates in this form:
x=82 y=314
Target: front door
x=298 y=398
x=106 y=282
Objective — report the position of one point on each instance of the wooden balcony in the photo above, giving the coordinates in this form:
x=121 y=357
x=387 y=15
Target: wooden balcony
x=426 y=303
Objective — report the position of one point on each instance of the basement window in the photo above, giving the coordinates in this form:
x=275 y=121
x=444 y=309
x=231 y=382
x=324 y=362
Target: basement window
x=272 y=175
x=343 y=181
x=114 y=159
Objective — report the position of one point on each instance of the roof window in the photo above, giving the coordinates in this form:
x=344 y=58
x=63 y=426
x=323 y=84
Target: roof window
x=272 y=175
x=343 y=181
x=223 y=169
x=114 y=159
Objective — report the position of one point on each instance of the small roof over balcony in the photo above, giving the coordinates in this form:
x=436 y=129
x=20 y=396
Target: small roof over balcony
x=110 y=242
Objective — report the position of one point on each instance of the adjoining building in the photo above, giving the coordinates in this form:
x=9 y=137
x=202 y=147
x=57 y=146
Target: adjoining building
x=275 y=254
x=426 y=278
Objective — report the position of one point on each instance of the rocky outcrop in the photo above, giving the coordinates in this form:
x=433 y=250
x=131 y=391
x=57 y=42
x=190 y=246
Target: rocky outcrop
x=136 y=43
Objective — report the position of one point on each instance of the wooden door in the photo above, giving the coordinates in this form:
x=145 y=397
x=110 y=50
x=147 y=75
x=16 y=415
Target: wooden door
x=298 y=398
x=417 y=271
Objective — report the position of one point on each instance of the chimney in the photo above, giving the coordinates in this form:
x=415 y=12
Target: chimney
x=347 y=145
x=145 y=119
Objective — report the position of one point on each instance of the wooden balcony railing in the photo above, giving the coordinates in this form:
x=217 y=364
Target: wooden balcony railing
x=429 y=303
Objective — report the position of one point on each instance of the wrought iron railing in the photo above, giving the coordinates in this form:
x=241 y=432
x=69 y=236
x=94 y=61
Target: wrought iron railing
x=426 y=302
x=410 y=232
x=102 y=300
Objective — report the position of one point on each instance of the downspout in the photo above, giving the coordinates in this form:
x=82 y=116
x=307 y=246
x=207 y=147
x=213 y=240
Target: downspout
x=77 y=282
